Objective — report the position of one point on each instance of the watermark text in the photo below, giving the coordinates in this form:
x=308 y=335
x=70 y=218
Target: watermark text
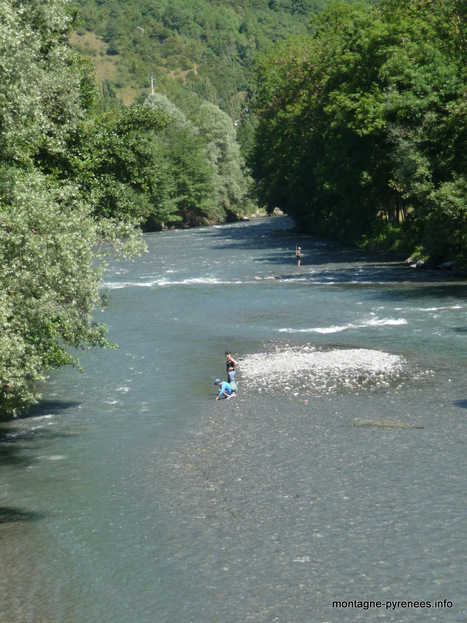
x=390 y=604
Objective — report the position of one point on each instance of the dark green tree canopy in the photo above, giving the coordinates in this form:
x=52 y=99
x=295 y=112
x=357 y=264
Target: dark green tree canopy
x=361 y=127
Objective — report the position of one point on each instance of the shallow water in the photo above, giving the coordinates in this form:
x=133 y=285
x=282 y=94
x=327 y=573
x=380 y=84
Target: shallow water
x=130 y=495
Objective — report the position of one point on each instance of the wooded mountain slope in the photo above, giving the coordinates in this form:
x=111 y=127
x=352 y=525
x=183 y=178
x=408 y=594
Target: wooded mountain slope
x=208 y=45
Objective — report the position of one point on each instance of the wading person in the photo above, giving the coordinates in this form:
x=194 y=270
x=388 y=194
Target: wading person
x=298 y=254
x=225 y=389
x=231 y=364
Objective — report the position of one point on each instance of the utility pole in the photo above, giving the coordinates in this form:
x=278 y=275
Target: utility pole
x=152 y=83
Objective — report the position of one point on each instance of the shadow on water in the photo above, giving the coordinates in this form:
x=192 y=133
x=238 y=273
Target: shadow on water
x=11 y=515
x=9 y=436
x=369 y=275
x=18 y=450
x=50 y=407
x=17 y=440
x=433 y=286
x=461 y=403
x=275 y=234
x=10 y=454
x=17 y=447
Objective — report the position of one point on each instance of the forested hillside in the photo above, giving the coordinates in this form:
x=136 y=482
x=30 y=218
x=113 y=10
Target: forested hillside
x=208 y=45
x=351 y=114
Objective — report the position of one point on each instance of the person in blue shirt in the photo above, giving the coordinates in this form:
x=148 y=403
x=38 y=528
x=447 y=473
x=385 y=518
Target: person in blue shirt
x=225 y=389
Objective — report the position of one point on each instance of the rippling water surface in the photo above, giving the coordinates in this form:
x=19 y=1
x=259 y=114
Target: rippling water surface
x=129 y=495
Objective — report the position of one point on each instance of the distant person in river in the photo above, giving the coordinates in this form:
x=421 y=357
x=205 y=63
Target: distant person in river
x=231 y=364
x=298 y=255
x=225 y=389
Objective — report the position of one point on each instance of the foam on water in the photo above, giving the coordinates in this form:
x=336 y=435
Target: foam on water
x=115 y=285
x=375 y=322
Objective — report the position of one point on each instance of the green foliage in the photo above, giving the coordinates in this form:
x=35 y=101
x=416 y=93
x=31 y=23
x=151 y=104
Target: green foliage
x=113 y=158
x=49 y=282
x=188 y=175
x=232 y=184
x=201 y=172
x=212 y=42
x=365 y=120
x=49 y=237
x=41 y=96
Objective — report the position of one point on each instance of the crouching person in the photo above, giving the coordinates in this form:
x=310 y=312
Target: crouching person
x=225 y=389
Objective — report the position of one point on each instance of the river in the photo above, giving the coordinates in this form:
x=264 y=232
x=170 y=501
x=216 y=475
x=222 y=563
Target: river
x=129 y=495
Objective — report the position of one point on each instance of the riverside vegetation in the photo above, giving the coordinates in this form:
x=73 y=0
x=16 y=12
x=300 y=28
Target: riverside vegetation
x=362 y=127
x=353 y=121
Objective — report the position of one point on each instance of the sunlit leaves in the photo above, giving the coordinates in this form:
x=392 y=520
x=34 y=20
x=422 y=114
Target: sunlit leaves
x=53 y=176
x=49 y=281
x=201 y=173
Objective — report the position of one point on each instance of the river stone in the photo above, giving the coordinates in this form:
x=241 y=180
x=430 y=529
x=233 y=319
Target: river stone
x=307 y=369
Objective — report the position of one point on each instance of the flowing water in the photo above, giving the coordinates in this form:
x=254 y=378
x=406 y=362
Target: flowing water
x=130 y=495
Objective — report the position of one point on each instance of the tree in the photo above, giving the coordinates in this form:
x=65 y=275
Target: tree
x=42 y=96
x=187 y=180
x=113 y=158
x=232 y=183
x=49 y=282
x=427 y=123
x=362 y=126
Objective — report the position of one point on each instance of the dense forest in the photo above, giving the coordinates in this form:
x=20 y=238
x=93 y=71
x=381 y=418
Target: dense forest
x=118 y=116
x=362 y=127
x=207 y=45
